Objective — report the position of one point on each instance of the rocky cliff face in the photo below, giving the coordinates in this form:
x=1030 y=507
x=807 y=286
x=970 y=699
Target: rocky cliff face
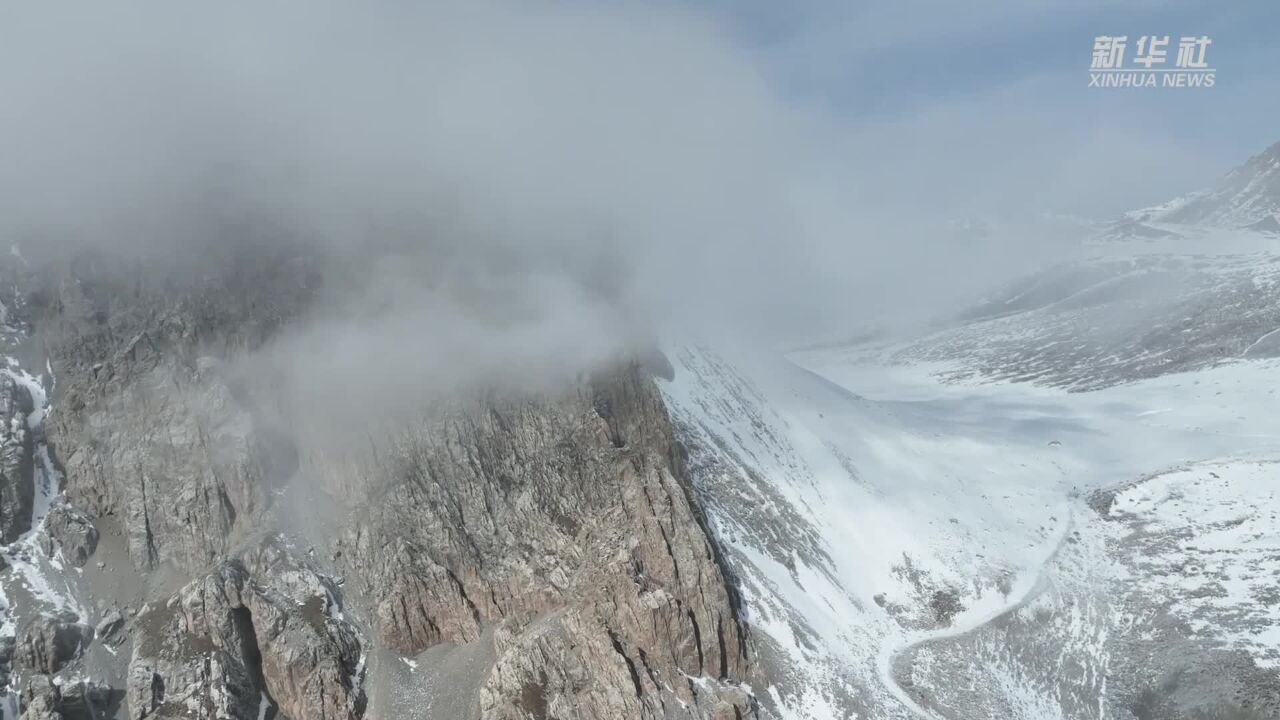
x=265 y=630
x=236 y=566
x=16 y=467
x=564 y=523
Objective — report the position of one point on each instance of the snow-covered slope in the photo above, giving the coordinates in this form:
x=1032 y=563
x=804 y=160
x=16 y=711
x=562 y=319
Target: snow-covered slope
x=1110 y=320
x=1248 y=195
x=1248 y=199
x=924 y=549
x=1059 y=505
x=858 y=527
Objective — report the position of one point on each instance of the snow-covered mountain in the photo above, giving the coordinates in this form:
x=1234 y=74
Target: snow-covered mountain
x=912 y=547
x=1247 y=198
x=1061 y=503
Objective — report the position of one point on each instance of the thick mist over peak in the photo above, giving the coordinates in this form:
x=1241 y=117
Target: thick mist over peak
x=509 y=359
x=582 y=174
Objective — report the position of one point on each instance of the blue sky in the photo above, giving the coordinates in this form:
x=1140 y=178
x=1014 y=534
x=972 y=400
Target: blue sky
x=881 y=64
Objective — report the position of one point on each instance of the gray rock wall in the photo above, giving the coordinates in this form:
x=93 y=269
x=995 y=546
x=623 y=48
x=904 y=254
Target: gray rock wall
x=557 y=525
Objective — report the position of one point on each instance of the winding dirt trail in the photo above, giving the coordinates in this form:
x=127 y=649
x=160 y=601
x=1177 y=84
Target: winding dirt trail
x=889 y=655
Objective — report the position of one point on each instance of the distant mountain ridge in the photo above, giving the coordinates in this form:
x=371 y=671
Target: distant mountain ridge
x=1247 y=197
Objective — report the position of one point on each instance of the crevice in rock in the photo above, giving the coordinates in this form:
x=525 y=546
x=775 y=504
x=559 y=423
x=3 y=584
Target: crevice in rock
x=662 y=530
x=462 y=591
x=697 y=640
x=407 y=613
x=648 y=670
x=631 y=666
x=228 y=509
x=724 y=652
x=604 y=409
x=250 y=654
x=731 y=582
x=653 y=676
x=157 y=690
x=152 y=553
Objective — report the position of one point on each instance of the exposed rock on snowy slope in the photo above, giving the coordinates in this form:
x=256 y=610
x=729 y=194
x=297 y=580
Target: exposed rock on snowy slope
x=1179 y=287
x=49 y=642
x=71 y=533
x=17 y=464
x=1111 y=320
x=1201 y=542
x=1248 y=199
x=1248 y=195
